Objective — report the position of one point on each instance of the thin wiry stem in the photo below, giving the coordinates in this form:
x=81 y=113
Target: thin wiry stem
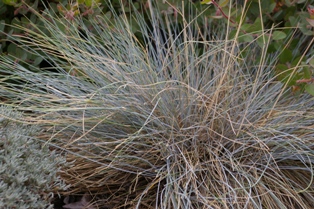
x=151 y=122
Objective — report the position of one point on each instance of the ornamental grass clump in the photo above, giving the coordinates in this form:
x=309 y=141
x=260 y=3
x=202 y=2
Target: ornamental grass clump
x=166 y=119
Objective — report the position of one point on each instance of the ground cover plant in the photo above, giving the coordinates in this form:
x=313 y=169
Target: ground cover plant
x=28 y=169
x=178 y=117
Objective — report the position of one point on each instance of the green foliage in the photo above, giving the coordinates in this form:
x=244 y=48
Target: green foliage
x=284 y=28
x=28 y=170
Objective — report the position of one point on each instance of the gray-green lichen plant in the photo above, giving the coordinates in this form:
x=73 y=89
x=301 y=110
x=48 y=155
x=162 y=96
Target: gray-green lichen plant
x=28 y=170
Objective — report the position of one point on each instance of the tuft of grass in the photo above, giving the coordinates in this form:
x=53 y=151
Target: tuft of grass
x=168 y=119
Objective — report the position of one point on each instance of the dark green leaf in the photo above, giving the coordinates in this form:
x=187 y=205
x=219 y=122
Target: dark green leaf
x=285 y=56
x=262 y=41
x=2 y=22
x=307 y=72
x=245 y=38
x=309 y=88
x=278 y=35
x=311 y=62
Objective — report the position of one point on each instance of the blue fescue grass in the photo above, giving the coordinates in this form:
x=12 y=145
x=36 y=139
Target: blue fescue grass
x=153 y=123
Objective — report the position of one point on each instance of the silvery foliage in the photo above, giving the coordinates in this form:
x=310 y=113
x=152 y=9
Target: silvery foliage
x=28 y=169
